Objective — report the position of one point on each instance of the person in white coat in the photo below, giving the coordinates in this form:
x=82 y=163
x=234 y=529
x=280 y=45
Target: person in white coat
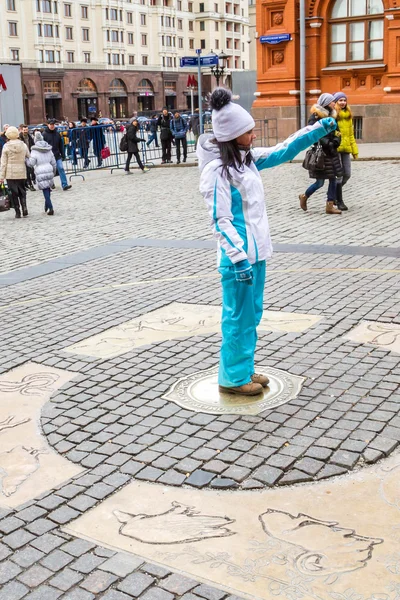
x=232 y=188
x=43 y=161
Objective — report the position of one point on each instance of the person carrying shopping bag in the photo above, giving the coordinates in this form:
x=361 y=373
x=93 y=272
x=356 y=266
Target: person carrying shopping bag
x=348 y=145
x=332 y=168
x=44 y=163
x=232 y=188
x=13 y=169
x=133 y=140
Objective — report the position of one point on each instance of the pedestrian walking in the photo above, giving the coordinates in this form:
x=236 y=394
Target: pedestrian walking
x=179 y=129
x=26 y=137
x=99 y=140
x=232 y=188
x=133 y=150
x=84 y=142
x=332 y=169
x=73 y=139
x=195 y=126
x=45 y=164
x=348 y=145
x=3 y=137
x=13 y=169
x=153 y=127
x=52 y=137
x=164 y=123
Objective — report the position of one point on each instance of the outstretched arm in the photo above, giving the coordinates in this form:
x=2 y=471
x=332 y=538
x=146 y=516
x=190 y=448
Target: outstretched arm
x=265 y=158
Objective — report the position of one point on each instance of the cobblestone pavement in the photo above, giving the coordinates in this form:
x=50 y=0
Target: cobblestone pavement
x=111 y=418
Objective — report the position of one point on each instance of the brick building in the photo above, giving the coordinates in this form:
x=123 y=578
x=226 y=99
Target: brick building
x=351 y=45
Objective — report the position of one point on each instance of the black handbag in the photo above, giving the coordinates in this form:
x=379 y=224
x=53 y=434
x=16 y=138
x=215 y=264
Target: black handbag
x=4 y=198
x=314 y=159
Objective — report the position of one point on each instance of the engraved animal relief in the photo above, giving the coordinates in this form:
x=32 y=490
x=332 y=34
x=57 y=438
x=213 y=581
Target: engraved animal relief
x=35 y=384
x=11 y=422
x=178 y=525
x=324 y=547
x=16 y=466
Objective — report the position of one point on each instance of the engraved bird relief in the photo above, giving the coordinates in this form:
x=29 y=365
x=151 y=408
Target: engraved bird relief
x=325 y=549
x=35 y=384
x=179 y=525
x=386 y=334
x=11 y=422
x=16 y=466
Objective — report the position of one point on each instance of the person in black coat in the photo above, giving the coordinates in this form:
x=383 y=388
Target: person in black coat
x=330 y=143
x=99 y=140
x=52 y=137
x=133 y=150
x=164 y=123
x=26 y=137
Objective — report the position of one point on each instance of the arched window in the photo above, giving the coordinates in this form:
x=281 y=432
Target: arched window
x=356 y=31
x=87 y=86
x=117 y=88
x=145 y=86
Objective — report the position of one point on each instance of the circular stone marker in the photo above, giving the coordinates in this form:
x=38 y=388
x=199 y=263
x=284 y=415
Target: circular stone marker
x=199 y=392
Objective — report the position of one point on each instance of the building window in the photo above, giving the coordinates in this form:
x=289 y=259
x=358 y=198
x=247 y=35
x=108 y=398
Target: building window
x=180 y=42
x=202 y=26
x=179 y=4
x=191 y=26
x=201 y=7
x=130 y=38
x=144 y=39
x=129 y=18
x=191 y=44
x=85 y=12
x=115 y=59
x=86 y=57
x=109 y=59
x=143 y=19
x=217 y=44
x=229 y=43
x=145 y=60
x=203 y=44
x=39 y=27
x=49 y=55
x=46 y=6
x=236 y=62
x=67 y=10
x=180 y=24
x=190 y=6
x=85 y=34
x=47 y=30
x=68 y=33
x=114 y=35
x=70 y=57
x=11 y=5
x=14 y=54
x=131 y=59
x=216 y=26
x=56 y=11
x=12 y=29
x=356 y=31
x=236 y=28
x=216 y=7
x=358 y=127
x=113 y=14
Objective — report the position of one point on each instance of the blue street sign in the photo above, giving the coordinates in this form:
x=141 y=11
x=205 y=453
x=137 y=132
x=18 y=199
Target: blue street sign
x=275 y=39
x=205 y=61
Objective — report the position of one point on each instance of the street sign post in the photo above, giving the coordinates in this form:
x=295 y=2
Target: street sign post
x=199 y=62
x=275 y=39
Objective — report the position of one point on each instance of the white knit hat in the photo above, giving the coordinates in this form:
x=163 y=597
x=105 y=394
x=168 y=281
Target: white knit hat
x=12 y=133
x=229 y=120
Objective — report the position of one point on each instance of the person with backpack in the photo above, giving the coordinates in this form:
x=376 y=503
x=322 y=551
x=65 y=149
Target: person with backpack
x=348 y=146
x=179 y=129
x=44 y=163
x=332 y=168
x=13 y=169
x=164 y=123
x=233 y=190
x=131 y=143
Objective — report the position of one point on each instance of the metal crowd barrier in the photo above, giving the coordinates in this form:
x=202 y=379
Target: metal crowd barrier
x=97 y=147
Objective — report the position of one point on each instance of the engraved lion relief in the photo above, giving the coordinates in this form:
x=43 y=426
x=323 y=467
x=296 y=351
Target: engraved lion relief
x=179 y=525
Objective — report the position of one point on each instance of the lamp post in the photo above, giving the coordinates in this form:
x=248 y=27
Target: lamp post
x=218 y=70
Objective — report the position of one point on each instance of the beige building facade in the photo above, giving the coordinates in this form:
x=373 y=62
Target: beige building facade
x=115 y=57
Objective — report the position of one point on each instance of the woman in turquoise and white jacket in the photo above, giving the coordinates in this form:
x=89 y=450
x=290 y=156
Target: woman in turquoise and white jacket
x=232 y=188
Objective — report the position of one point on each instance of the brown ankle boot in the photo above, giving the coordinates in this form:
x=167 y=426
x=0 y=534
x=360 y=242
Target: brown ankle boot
x=261 y=379
x=303 y=201
x=248 y=389
x=331 y=209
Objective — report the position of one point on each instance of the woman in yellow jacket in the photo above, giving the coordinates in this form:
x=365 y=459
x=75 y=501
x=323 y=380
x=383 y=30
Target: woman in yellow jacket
x=348 y=144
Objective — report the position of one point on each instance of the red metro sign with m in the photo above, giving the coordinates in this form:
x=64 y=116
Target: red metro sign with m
x=3 y=86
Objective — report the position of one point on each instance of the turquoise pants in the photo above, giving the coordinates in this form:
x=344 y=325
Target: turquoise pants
x=242 y=308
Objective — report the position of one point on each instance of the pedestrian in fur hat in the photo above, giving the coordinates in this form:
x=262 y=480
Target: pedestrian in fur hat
x=13 y=169
x=232 y=188
x=348 y=146
x=43 y=161
x=330 y=143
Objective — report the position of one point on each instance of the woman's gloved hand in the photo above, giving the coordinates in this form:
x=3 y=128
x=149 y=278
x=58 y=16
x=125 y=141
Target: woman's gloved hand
x=329 y=124
x=244 y=272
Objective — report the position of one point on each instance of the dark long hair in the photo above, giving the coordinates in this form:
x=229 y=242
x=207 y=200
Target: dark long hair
x=231 y=157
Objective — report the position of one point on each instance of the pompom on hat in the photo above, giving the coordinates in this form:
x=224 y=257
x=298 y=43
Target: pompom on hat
x=229 y=120
x=339 y=95
x=325 y=99
x=12 y=133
